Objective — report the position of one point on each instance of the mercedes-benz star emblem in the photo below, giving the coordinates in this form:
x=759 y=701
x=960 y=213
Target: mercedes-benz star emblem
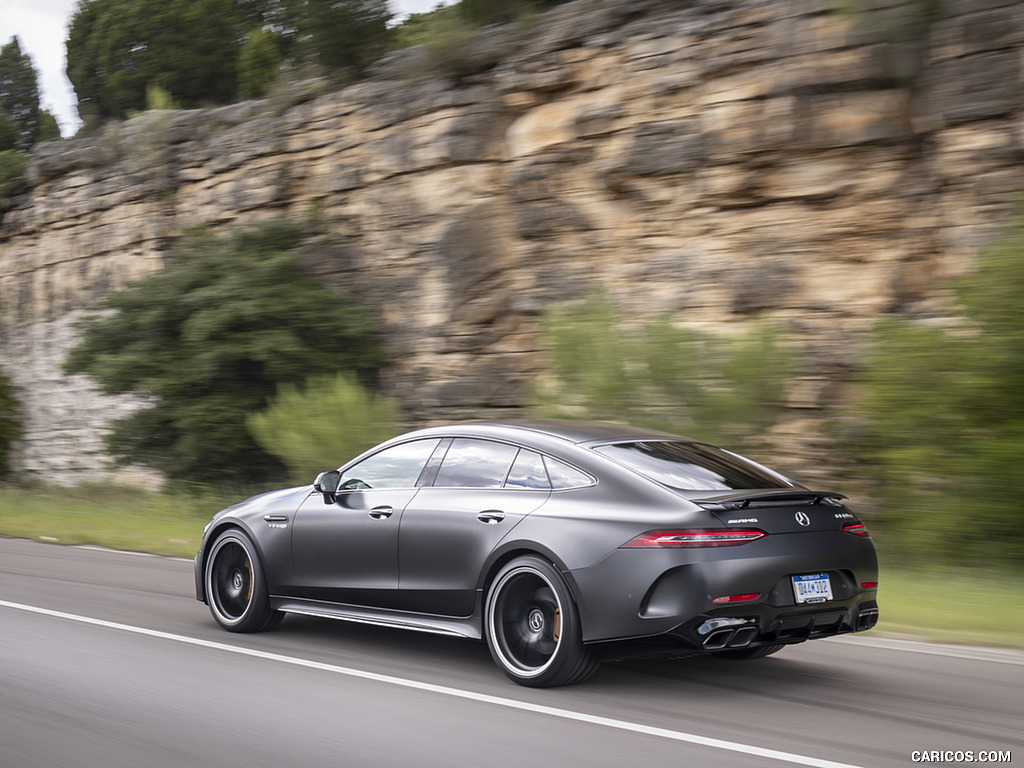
x=802 y=518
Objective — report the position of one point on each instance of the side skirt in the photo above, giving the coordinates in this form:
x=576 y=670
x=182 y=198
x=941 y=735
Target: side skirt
x=468 y=627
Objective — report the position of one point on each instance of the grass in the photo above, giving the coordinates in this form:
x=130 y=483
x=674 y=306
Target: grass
x=119 y=518
x=951 y=606
x=943 y=605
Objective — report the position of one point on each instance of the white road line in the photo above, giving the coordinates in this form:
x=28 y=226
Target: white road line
x=499 y=701
x=970 y=653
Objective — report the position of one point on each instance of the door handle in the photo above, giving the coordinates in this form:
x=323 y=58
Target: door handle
x=491 y=516
x=381 y=513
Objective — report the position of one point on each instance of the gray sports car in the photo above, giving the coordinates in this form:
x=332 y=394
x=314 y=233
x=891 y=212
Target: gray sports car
x=558 y=543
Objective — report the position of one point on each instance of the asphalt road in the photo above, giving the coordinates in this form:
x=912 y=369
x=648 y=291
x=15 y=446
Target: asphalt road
x=106 y=659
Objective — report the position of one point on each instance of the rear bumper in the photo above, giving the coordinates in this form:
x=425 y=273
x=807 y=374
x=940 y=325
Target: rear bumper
x=669 y=594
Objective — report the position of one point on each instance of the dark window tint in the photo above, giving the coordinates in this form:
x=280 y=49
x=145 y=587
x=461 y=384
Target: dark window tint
x=565 y=476
x=396 y=467
x=528 y=472
x=475 y=464
x=693 y=466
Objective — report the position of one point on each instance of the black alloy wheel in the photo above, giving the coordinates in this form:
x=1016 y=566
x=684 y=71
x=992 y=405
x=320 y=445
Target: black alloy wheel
x=533 y=626
x=235 y=587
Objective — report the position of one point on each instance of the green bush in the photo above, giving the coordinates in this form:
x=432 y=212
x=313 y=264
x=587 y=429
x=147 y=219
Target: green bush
x=321 y=426
x=943 y=419
x=450 y=43
x=10 y=421
x=724 y=390
x=12 y=176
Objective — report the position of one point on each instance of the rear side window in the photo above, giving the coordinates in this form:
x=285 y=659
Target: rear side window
x=692 y=466
x=475 y=464
x=564 y=476
x=528 y=472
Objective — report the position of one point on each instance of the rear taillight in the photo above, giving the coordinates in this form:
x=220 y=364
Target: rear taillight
x=857 y=529
x=746 y=598
x=693 y=538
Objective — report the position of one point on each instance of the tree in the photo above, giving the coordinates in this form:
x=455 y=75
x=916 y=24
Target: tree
x=501 y=11
x=943 y=411
x=207 y=341
x=343 y=36
x=258 y=62
x=117 y=48
x=49 y=128
x=19 y=94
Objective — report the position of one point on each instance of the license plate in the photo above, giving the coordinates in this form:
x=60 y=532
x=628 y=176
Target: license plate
x=812 y=588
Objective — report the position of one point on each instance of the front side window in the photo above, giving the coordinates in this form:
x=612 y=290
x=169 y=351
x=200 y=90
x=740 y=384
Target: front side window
x=396 y=467
x=473 y=463
x=692 y=466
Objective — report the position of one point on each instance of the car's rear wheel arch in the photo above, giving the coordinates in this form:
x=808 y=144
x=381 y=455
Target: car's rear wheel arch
x=502 y=558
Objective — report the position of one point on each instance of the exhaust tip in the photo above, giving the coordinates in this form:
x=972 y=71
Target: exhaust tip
x=867 y=619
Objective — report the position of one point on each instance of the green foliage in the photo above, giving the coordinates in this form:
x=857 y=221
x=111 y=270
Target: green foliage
x=258 y=63
x=721 y=390
x=19 y=95
x=321 y=426
x=49 y=128
x=421 y=28
x=10 y=421
x=481 y=12
x=12 y=177
x=116 y=49
x=448 y=39
x=207 y=340
x=158 y=98
x=944 y=419
x=8 y=132
x=343 y=36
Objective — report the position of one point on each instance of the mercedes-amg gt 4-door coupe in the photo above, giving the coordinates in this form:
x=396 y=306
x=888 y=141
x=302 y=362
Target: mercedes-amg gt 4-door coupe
x=559 y=544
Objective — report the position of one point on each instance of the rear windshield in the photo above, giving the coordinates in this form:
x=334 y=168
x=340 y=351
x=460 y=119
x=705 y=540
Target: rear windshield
x=692 y=466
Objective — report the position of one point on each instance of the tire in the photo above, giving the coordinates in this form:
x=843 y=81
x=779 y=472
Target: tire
x=236 y=589
x=747 y=654
x=532 y=626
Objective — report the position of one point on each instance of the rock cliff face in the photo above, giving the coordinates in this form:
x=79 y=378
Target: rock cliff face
x=705 y=158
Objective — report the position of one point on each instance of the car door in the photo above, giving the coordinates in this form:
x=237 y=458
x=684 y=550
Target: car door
x=347 y=551
x=482 y=490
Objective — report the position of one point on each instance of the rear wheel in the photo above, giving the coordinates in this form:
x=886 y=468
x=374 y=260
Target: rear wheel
x=236 y=588
x=533 y=627
x=746 y=654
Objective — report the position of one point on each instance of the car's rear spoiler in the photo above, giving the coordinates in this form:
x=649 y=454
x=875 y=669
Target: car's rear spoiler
x=743 y=499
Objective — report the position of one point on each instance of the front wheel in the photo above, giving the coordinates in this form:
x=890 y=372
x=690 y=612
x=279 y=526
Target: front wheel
x=236 y=589
x=533 y=628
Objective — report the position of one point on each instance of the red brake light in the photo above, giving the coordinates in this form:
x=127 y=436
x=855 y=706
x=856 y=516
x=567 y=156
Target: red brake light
x=694 y=538
x=857 y=529
x=869 y=585
x=737 y=598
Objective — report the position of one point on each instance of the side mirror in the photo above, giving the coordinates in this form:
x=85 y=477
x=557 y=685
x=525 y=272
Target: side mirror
x=327 y=484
